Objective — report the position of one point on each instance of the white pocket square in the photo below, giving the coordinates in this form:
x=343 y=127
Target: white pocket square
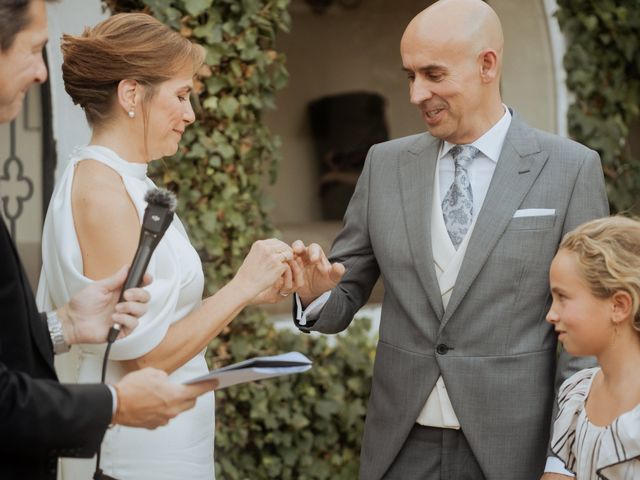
x=534 y=212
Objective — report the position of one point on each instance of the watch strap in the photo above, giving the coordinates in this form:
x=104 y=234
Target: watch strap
x=56 y=333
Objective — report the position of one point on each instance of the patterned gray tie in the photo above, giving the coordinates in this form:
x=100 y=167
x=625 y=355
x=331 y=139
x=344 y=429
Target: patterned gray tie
x=457 y=206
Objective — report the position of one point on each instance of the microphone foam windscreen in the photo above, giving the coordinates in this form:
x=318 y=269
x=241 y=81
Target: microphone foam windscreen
x=161 y=197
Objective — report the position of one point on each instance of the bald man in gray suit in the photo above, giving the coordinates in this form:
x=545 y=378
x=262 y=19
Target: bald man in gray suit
x=462 y=222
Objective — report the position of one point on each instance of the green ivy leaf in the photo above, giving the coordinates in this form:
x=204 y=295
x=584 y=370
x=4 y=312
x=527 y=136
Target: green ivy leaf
x=196 y=7
x=227 y=152
x=209 y=221
x=210 y=32
x=211 y=103
x=229 y=106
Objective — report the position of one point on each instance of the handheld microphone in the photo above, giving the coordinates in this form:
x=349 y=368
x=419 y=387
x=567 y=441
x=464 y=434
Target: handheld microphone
x=161 y=204
x=158 y=215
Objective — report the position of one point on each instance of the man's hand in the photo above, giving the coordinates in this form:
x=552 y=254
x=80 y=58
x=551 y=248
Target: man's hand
x=555 y=476
x=89 y=315
x=319 y=274
x=147 y=399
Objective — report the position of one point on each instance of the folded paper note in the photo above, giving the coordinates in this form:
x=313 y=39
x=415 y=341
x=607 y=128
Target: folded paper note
x=257 y=368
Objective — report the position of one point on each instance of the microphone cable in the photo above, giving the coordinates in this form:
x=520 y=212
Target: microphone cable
x=161 y=205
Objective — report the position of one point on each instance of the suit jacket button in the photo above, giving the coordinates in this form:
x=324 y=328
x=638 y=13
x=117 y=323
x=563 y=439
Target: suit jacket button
x=442 y=349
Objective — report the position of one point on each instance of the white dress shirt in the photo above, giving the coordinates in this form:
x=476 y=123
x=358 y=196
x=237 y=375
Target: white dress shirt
x=438 y=410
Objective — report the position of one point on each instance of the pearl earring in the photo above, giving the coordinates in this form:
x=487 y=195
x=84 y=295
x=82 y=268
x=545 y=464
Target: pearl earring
x=131 y=114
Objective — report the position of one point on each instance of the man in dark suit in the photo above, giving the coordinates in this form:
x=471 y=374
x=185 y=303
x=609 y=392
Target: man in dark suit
x=40 y=419
x=462 y=223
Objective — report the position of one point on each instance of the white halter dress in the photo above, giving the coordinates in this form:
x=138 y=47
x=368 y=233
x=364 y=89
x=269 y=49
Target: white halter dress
x=184 y=447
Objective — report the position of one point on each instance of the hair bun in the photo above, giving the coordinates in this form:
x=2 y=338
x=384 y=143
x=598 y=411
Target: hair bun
x=125 y=46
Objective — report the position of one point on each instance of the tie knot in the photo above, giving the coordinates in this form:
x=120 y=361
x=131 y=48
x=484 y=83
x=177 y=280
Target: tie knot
x=463 y=155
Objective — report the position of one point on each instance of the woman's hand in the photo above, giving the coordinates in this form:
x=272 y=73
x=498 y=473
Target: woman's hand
x=291 y=281
x=266 y=272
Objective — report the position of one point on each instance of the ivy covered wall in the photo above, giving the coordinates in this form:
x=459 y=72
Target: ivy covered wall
x=603 y=73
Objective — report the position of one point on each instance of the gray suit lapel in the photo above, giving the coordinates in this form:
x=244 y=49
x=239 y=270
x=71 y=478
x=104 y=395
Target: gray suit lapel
x=520 y=163
x=417 y=168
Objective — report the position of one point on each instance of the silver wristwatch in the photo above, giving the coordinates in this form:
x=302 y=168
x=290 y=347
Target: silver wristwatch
x=56 y=333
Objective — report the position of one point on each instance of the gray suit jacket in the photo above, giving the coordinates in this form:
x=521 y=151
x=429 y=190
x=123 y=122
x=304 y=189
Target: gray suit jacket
x=492 y=345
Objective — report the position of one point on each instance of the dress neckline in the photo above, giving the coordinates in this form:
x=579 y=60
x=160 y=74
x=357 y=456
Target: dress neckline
x=111 y=158
x=584 y=407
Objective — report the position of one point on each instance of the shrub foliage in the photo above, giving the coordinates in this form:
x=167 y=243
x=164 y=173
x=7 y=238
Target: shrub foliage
x=603 y=71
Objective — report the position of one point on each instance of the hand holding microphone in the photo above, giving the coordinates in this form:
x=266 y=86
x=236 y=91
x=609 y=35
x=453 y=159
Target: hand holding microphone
x=158 y=215
x=88 y=316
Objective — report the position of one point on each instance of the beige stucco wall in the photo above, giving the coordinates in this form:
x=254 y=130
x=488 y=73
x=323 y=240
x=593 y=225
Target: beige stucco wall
x=528 y=83
x=342 y=50
x=345 y=50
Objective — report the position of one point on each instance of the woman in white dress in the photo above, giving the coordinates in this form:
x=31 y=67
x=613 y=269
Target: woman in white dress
x=132 y=75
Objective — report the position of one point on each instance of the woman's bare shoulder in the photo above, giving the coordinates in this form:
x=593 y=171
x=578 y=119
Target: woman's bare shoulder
x=99 y=194
x=98 y=186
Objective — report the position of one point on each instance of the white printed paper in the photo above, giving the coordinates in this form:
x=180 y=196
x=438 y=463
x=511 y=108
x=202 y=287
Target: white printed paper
x=257 y=368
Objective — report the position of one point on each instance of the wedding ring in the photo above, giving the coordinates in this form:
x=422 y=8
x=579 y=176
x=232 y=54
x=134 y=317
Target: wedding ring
x=284 y=294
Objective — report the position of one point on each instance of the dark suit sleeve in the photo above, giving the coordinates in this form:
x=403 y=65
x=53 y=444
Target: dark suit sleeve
x=39 y=416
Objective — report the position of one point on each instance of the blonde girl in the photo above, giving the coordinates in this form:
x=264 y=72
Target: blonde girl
x=595 y=285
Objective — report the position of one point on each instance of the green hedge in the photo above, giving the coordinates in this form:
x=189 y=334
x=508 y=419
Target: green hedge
x=304 y=427
x=307 y=426
x=603 y=71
